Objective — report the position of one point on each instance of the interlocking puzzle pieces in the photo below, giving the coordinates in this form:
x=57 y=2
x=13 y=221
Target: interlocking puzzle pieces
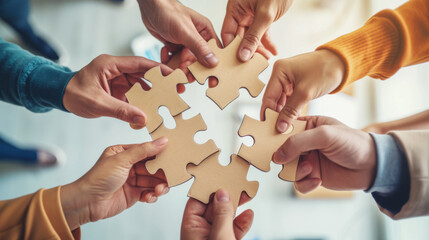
x=232 y=74
x=266 y=141
x=162 y=93
x=181 y=149
x=211 y=176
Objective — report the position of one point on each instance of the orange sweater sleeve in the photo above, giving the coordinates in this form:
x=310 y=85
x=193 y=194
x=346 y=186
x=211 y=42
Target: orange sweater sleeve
x=391 y=39
x=35 y=216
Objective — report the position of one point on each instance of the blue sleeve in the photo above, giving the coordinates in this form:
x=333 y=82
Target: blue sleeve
x=30 y=81
x=391 y=187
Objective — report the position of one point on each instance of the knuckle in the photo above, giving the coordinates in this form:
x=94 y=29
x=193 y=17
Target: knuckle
x=289 y=112
x=252 y=40
x=121 y=113
x=266 y=14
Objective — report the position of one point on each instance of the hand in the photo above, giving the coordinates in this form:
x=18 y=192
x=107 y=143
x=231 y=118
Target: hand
x=252 y=18
x=340 y=158
x=176 y=26
x=99 y=88
x=375 y=128
x=214 y=221
x=116 y=182
x=297 y=80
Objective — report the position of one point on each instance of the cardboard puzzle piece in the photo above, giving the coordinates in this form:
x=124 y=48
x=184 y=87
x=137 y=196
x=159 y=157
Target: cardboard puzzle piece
x=181 y=149
x=266 y=141
x=232 y=74
x=211 y=176
x=162 y=93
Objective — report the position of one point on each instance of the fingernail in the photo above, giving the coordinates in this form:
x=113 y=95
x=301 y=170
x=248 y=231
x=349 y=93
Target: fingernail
x=282 y=126
x=160 y=141
x=166 y=190
x=211 y=59
x=245 y=54
x=222 y=196
x=282 y=155
x=152 y=199
x=139 y=120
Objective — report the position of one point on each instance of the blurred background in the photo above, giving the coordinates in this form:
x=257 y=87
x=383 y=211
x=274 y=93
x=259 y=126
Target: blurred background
x=80 y=30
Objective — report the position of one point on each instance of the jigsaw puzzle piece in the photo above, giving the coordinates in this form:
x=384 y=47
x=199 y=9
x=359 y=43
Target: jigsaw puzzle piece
x=232 y=74
x=266 y=141
x=162 y=93
x=181 y=149
x=211 y=176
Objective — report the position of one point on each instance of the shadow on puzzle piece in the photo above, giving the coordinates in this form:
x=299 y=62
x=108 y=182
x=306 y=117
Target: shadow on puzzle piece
x=211 y=176
x=231 y=73
x=266 y=141
x=181 y=149
x=162 y=93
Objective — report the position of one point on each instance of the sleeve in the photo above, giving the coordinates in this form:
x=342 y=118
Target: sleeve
x=391 y=39
x=415 y=145
x=35 y=216
x=30 y=81
x=391 y=187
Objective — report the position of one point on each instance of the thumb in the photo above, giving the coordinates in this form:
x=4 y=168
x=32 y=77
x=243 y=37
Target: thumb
x=112 y=107
x=200 y=48
x=137 y=152
x=252 y=37
x=290 y=111
x=223 y=216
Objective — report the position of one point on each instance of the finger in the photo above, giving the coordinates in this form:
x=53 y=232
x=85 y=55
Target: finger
x=223 y=214
x=142 y=151
x=229 y=28
x=145 y=181
x=161 y=189
x=303 y=170
x=308 y=184
x=252 y=37
x=199 y=47
x=112 y=107
x=291 y=110
x=242 y=223
x=194 y=208
x=165 y=55
x=148 y=196
x=314 y=139
x=268 y=43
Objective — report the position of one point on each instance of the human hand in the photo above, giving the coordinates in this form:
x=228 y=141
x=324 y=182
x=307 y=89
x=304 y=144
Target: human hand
x=215 y=220
x=251 y=19
x=116 y=182
x=297 y=80
x=375 y=128
x=99 y=88
x=339 y=158
x=176 y=26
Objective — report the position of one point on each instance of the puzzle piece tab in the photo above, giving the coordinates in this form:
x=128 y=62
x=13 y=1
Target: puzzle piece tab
x=181 y=149
x=162 y=93
x=211 y=176
x=232 y=74
x=266 y=141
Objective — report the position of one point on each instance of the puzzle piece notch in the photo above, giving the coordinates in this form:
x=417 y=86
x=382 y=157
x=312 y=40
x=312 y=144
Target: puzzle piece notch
x=162 y=93
x=211 y=176
x=232 y=74
x=266 y=141
x=181 y=149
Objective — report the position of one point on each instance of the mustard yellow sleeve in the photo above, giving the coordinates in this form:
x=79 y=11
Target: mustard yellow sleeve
x=35 y=216
x=391 y=39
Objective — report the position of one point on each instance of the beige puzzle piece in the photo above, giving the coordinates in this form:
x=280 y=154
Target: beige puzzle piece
x=232 y=74
x=266 y=141
x=181 y=149
x=211 y=176
x=162 y=93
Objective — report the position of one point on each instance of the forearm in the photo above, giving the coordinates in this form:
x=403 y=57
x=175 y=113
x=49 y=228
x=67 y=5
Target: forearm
x=31 y=81
x=35 y=216
x=391 y=39
x=417 y=121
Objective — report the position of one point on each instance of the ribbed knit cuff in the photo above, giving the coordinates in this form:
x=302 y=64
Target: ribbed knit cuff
x=371 y=50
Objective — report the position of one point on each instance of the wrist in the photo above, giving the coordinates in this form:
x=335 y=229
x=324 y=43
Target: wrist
x=74 y=204
x=334 y=68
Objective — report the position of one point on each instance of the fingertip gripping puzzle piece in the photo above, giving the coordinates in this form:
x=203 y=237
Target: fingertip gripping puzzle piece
x=181 y=149
x=211 y=176
x=162 y=93
x=266 y=141
x=232 y=74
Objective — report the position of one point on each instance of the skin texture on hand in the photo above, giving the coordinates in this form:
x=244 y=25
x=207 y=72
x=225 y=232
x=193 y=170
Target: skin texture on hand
x=297 y=80
x=251 y=19
x=116 y=182
x=335 y=156
x=178 y=26
x=214 y=221
x=418 y=121
x=99 y=88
